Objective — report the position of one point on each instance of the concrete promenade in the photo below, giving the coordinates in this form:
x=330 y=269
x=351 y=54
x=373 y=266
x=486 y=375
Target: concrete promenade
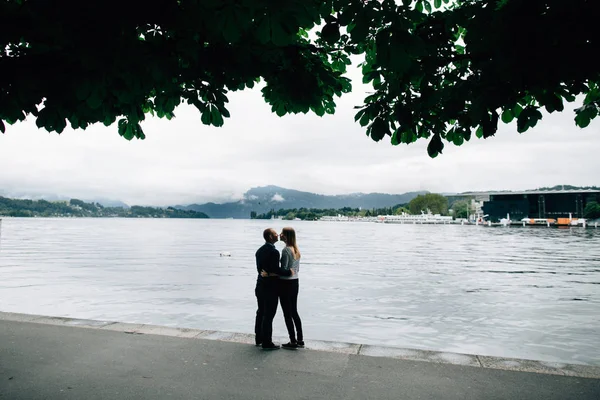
x=62 y=358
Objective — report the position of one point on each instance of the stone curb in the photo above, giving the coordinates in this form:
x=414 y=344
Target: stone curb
x=471 y=360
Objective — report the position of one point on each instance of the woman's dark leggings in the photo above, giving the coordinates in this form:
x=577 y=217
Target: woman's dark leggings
x=288 y=296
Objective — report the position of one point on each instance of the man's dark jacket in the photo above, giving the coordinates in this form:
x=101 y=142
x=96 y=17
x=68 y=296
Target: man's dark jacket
x=267 y=258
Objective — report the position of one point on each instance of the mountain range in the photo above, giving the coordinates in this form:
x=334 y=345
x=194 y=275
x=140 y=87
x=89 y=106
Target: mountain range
x=263 y=199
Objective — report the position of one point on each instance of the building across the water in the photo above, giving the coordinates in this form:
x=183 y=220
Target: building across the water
x=539 y=204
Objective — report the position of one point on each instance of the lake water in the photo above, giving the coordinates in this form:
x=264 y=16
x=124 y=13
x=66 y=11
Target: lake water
x=513 y=292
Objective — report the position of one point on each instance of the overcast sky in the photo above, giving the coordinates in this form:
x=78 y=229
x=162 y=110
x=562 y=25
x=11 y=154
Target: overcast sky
x=182 y=161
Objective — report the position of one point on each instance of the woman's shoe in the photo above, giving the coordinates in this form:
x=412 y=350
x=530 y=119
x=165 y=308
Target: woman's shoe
x=300 y=344
x=290 y=346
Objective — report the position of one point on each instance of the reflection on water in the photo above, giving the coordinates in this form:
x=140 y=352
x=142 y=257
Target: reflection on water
x=513 y=292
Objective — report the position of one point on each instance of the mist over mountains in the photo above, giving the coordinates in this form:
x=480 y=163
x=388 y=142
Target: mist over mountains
x=262 y=199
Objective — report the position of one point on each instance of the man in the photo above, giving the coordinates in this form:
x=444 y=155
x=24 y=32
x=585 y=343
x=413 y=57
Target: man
x=267 y=290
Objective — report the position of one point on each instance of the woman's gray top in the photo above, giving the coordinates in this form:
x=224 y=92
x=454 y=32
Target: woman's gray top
x=288 y=262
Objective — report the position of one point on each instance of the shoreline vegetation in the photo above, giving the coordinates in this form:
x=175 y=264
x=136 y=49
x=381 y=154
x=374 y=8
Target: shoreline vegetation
x=436 y=203
x=78 y=208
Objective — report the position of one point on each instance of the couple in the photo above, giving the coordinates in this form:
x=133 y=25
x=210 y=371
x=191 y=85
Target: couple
x=276 y=283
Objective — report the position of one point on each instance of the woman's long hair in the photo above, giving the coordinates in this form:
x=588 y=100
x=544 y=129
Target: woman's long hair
x=290 y=237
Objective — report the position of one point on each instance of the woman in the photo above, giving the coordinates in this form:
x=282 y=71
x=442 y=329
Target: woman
x=288 y=289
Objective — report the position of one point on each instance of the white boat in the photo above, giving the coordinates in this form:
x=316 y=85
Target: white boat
x=424 y=218
x=336 y=218
x=340 y=218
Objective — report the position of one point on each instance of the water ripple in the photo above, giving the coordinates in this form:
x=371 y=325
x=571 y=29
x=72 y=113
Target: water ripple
x=515 y=292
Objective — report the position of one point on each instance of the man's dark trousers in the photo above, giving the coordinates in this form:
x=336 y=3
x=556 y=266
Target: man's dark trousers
x=260 y=312
x=270 y=302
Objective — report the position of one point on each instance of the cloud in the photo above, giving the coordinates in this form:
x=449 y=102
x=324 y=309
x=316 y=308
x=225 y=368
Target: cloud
x=182 y=161
x=278 y=198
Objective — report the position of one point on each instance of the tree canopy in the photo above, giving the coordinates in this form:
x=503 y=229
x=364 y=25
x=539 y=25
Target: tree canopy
x=460 y=209
x=592 y=210
x=442 y=70
x=436 y=203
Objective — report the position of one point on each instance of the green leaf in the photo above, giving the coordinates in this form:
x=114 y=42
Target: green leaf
x=360 y=28
x=382 y=47
x=330 y=33
x=554 y=103
x=438 y=4
x=279 y=34
x=74 y=121
x=94 y=101
x=528 y=119
x=400 y=61
x=455 y=136
x=122 y=126
x=435 y=146
x=419 y=6
x=215 y=116
x=206 y=116
x=408 y=136
x=466 y=134
x=593 y=96
x=369 y=76
x=582 y=120
x=379 y=128
x=82 y=91
x=280 y=110
x=427 y=7
x=140 y=133
x=490 y=124
x=479 y=132
x=2 y=127
x=522 y=122
x=458 y=140
x=517 y=109
x=231 y=27
x=507 y=116
x=126 y=129
x=320 y=110
x=585 y=115
x=364 y=120
x=359 y=115
x=129 y=132
x=263 y=30
x=396 y=136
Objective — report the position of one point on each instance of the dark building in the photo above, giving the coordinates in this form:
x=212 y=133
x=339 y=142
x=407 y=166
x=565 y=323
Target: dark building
x=539 y=204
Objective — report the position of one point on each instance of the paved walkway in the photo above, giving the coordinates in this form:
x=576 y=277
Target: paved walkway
x=54 y=358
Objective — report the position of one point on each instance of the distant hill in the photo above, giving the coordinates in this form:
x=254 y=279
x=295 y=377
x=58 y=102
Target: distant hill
x=79 y=208
x=263 y=199
x=552 y=188
x=569 y=187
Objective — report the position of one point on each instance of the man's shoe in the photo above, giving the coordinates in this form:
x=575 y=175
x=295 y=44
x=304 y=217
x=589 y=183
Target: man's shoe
x=270 y=346
x=290 y=346
x=300 y=344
